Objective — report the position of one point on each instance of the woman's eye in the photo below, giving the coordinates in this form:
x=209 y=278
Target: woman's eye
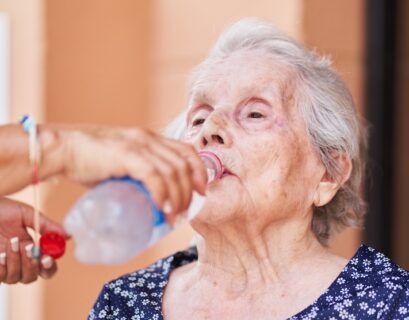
x=255 y=115
x=198 y=122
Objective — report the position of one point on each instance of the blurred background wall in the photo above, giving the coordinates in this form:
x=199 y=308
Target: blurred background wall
x=25 y=75
x=126 y=63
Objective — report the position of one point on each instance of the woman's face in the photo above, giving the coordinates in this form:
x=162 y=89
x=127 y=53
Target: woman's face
x=242 y=109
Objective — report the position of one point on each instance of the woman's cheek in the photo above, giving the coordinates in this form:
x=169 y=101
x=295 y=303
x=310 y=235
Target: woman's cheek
x=270 y=124
x=190 y=135
x=256 y=125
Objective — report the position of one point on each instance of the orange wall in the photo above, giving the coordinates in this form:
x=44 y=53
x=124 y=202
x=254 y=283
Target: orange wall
x=97 y=67
x=26 y=96
x=26 y=56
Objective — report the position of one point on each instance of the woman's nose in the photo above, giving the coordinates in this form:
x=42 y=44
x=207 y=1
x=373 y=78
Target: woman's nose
x=215 y=131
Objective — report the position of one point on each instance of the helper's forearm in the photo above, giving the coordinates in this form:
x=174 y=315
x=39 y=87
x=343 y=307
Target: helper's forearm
x=15 y=167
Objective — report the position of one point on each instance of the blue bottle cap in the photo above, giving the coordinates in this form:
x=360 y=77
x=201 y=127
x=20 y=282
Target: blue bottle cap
x=158 y=215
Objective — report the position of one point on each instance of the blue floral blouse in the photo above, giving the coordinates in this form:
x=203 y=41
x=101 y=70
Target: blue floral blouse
x=370 y=286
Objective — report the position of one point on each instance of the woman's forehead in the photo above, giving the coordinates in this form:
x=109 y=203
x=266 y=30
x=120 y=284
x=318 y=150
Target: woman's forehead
x=244 y=72
x=247 y=64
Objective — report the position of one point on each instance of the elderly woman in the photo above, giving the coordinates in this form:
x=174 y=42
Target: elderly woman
x=285 y=127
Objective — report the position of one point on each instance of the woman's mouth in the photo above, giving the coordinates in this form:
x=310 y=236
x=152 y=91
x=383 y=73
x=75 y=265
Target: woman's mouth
x=227 y=172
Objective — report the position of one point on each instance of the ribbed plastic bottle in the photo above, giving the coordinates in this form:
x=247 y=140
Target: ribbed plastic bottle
x=117 y=219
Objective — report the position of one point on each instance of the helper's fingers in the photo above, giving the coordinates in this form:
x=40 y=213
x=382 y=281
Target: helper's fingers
x=142 y=168
x=29 y=266
x=170 y=177
x=3 y=264
x=48 y=267
x=46 y=224
x=181 y=169
x=197 y=167
x=13 y=262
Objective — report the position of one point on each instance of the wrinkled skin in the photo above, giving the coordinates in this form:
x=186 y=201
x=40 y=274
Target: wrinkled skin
x=251 y=123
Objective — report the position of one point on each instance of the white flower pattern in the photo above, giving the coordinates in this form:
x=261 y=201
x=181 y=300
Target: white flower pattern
x=370 y=286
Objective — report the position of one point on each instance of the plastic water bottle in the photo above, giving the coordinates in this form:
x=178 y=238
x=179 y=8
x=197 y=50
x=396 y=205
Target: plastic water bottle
x=117 y=219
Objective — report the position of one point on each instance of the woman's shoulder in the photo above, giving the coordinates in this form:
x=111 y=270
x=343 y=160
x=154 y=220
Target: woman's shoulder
x=377 y=282
x=140 y=291
x=371 y=286
x=369 y=268
x=372 y=264
x=155 y=274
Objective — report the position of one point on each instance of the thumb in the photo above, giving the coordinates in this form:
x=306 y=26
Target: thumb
x=46 y=224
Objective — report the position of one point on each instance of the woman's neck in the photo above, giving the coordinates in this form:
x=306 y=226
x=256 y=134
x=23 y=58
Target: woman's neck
x=237 y=258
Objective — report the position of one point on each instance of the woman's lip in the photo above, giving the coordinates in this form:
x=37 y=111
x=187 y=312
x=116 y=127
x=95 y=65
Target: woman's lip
x=227 y=173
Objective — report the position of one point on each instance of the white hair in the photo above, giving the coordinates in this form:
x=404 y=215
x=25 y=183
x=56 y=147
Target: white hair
x=325 y=104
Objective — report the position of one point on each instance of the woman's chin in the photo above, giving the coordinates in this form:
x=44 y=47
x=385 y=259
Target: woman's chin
x=213 y=213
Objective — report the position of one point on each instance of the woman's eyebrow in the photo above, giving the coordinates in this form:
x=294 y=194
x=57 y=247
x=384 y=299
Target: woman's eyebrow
x=191 y=112
x=199 y=96
x=196 y=99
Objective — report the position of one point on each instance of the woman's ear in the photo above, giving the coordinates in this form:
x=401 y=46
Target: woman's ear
x=328 y=185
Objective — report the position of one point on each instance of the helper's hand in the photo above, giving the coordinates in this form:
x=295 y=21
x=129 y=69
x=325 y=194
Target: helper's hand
x=16 y=264
x=170 y=169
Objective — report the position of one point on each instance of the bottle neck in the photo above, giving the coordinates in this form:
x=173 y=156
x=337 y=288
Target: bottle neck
x=213 y=165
